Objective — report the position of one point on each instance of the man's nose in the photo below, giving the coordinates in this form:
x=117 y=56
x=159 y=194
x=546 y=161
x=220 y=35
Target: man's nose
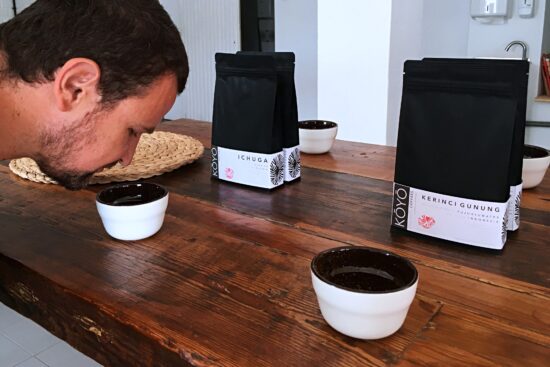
x=129 y=154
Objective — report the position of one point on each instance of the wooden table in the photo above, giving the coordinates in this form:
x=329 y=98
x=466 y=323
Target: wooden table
x=226 y=281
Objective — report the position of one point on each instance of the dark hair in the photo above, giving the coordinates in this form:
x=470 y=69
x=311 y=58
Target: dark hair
x=133 y=41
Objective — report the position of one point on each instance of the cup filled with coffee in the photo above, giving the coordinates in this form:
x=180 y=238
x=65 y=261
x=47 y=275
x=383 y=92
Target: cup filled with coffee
x=535 y=163
x=132 y=211
x=363 y=292
x=317 y=136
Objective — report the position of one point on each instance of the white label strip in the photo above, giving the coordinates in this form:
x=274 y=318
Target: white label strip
x=472 y=222
x=247 y=168
x=514 y=207
x=293 y=164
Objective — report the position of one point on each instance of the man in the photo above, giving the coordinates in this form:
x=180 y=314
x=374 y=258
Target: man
x=81 y=80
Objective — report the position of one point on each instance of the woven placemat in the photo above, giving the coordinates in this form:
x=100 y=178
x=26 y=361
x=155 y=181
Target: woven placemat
x=156 y=154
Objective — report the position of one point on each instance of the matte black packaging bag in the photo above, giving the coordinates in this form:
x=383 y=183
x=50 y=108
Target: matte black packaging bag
x=494 y=70
x=246 y=137
x=453 y=158
x=286 y=109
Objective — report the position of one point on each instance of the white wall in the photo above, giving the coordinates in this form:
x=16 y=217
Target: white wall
x=22 y=4
x=353 y=41
x=207 y=27
x=445 y=28
x=546 y=32
x=6 y=8
x=537 y=135
x=406 y=43
x=422 y=28
x=296 y=31
x=491 y=40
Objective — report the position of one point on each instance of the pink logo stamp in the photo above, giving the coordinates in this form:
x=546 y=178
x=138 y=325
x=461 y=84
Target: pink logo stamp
x=426 y=221
x=229 y=173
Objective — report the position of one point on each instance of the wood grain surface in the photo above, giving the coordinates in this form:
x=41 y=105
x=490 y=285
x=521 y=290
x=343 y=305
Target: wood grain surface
x=226 y=281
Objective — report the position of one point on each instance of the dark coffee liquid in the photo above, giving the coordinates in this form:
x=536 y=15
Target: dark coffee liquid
x=364 y=279
x=131 y=194
x=130 y=200
x=363 y=269
x=316 y=124
x=530 y=151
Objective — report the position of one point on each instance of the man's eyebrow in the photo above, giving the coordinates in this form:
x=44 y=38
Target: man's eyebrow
x=150 y=130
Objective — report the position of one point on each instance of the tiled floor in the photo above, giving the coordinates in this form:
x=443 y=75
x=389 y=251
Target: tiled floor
x=24 y=343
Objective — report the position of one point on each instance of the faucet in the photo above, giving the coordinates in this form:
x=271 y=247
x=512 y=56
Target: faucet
x=522 y=44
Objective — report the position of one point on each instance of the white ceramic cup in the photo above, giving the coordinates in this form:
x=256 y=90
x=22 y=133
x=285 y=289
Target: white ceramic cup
x=534 y=165
x=132 y=211
x=317 y=136
x=375 y=311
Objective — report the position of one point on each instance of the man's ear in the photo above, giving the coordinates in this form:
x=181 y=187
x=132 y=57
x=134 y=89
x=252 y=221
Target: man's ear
x=77 y=83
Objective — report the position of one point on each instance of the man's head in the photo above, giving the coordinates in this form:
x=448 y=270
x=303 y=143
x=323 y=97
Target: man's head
x=97 y=73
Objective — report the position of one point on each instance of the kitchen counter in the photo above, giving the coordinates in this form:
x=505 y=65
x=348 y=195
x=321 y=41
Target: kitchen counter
x=226 y=281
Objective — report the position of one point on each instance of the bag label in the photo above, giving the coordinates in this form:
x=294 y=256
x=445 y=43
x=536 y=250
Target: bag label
x=400 y=212
x=293 y=163
x=514 y=207
x=472 y=222
x=248 y=168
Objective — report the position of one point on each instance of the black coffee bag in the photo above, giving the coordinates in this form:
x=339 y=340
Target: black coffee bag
x=246 y=136
x=286 y=109
x=453 y=156
x=515 y=72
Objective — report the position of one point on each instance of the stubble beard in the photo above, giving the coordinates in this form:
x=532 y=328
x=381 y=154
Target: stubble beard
x=59 y=148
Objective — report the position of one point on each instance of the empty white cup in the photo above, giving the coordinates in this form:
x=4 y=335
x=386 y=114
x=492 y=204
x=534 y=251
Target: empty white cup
x=364 y=293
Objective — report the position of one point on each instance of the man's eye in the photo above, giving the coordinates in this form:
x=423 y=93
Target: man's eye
x=132 y=132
